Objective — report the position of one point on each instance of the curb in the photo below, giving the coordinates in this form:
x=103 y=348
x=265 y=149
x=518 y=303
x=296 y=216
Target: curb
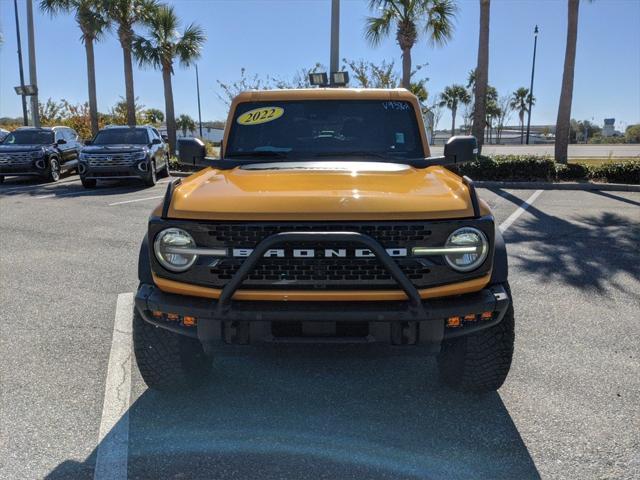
x=180 y=174
x=611 y=187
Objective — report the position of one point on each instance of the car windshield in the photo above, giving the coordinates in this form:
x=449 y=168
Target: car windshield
x=119 y=136
x=327 y=128
x=29 y=137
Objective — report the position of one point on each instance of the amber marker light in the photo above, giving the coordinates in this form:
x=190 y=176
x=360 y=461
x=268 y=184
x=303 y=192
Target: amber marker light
x=471 y=317
x=173 y=317
x=157 y=313
x=189 y=321
x=453 y=322
x=486 y=315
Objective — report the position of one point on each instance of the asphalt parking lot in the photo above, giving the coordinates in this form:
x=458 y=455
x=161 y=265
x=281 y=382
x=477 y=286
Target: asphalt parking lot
x=569 y=409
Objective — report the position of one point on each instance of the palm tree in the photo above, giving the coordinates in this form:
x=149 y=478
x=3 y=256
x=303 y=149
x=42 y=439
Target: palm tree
x=566 y=94
x=520 y=103
x=159 y=50
x=481 y=75
x=126 y=14
x=451 y=97
x=92 y=22
x=411 y=18
x=184 y=123
x=153 y=116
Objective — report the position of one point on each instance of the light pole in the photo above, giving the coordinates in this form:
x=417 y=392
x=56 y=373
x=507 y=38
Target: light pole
x=533 y=70
x=33 y=78
x=25 y=117
x=198 y=90
x=335 y=36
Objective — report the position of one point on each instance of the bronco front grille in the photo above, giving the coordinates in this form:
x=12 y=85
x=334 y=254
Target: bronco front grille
x=321 y=272
x=111 y=159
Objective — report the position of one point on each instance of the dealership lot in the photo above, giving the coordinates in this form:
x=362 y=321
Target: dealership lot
x=569 y=408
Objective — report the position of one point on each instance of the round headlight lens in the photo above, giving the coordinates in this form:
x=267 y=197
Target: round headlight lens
x=167 y=246
x=467 y=237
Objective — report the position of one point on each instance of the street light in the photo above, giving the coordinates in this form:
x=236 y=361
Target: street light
x=533 y=69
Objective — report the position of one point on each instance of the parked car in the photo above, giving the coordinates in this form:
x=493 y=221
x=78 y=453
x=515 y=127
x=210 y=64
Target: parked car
x=3 y=134
x=43 y=152
x=124 y=152
x=324 y=220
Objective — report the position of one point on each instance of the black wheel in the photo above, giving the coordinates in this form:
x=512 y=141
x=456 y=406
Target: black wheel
x=152 y=176
x=54 y=170
x=88 y=182
x=479 y=362
x=164 y=172
x=168 y=361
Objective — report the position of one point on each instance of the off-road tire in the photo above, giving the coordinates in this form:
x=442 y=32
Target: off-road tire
x=88 y=182
x=168 y=361
x=479 y=362
x=152 y=176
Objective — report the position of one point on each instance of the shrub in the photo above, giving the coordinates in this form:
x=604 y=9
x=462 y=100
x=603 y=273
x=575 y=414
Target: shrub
x=624 y=172
x=510 y=167
x=572 y=171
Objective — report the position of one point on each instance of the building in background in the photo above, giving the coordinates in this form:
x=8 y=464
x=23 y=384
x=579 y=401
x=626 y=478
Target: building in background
x=609 y=129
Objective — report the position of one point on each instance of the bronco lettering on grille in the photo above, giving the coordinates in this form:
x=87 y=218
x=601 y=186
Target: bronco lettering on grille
x=322 y=253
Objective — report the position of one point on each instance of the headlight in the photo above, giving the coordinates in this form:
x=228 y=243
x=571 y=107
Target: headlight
x=37 y=154
x=83 y=157
x=467 y=237
x=140 y=155
x=167 y=249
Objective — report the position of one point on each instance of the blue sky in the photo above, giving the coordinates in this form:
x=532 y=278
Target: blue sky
x=277 y=37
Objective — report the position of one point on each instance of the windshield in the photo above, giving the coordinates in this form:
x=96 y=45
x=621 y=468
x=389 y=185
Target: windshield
x=116 y=136
x=325 y=128
x=29 y=137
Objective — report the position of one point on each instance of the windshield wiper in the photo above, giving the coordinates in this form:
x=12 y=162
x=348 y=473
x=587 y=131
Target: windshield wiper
x=352 y=154
x=265 y=154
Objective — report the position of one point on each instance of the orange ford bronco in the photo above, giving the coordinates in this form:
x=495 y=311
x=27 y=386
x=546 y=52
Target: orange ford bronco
x=325 y=219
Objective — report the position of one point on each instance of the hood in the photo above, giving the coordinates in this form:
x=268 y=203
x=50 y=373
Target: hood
x=21 y=148
x=322 y=191
x=113 y=148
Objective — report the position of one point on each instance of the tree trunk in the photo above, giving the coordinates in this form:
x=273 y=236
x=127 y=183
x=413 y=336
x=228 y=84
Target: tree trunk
x=168 y=108
x=91 y=81
x=453 y=120
x=125 y=42
x=482 y=75
x=406 y=68
x=566 y=95
x=521 y=115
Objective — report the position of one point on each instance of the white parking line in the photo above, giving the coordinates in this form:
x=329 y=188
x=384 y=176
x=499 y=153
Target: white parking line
x=520 y=210
x=113 y=440
x=136 y=200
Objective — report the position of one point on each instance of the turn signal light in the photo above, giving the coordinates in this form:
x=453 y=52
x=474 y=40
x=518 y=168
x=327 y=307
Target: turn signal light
x=174 y=317
x=453 y=322
x=189 y=321
x=486 y=315
x=157 y=314
x=471 y=317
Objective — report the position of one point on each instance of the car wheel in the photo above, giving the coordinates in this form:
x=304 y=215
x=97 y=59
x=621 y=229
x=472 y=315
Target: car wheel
x=54 y=170
x=165 y=168
x=89 y=182
x=168 y=361
x=152 y=176
x=479 y=362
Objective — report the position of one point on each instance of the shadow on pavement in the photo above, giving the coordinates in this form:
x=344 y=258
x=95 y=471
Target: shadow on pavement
x=328 y=414
x=587 y=251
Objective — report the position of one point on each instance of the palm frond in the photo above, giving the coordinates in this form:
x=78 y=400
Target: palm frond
x=441 y=15
x=377 y=28
x=189 y=46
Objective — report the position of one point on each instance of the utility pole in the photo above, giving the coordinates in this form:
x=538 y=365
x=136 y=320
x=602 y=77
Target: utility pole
x=33 y=78
x=335 y=37
x=25 y=117
x=533 y=69
x=198 y=91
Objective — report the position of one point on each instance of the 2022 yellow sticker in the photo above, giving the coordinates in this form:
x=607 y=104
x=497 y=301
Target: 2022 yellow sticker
x=260 y=115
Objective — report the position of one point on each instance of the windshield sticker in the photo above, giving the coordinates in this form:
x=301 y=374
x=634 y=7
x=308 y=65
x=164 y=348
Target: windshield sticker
x=260 y=115
x=395 y=105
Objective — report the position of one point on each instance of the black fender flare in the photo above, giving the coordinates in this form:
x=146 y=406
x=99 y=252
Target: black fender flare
x=144 y=262
x=500 y=270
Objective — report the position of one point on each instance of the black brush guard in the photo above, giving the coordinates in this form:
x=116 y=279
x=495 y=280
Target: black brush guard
x=412 y=322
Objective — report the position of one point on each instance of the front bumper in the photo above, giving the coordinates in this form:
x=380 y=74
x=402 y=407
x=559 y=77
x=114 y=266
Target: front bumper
x=392 y=323
x=23 y=170
x=115 y=172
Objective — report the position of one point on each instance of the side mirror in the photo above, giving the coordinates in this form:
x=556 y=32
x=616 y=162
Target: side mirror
x=460 y=149
x=156 y=141
x=191 y=152
x=61 y=141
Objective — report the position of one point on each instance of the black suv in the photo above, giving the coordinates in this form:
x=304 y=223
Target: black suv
x=42 y=152
x=124 y=152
